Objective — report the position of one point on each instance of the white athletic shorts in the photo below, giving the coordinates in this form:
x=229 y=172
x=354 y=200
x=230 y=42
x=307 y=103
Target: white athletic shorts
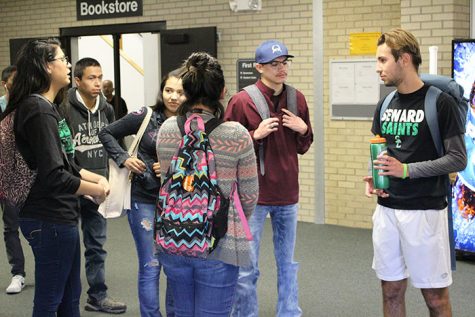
x=412 y=244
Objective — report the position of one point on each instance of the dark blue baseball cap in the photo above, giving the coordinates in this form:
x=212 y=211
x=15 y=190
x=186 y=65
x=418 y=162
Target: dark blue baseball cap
x=270 y=50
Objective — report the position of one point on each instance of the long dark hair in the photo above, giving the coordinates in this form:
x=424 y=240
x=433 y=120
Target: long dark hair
x=160 y=104
x=203 y=83
x=32 y=75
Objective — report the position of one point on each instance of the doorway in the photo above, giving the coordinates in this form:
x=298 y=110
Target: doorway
x=139 y=56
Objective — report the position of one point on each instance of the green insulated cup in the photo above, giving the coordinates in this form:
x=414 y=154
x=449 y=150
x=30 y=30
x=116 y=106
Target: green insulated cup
x=378 y=145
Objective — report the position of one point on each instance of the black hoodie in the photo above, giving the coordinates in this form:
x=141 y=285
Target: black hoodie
x=85 y=127
x=37 y=131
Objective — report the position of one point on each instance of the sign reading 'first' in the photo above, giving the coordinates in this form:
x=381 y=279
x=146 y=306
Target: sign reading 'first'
x=246 y=72
x=105 y=9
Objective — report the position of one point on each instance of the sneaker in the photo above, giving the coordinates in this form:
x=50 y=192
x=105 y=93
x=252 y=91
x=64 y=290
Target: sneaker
x=16 y=285
x=107 y=305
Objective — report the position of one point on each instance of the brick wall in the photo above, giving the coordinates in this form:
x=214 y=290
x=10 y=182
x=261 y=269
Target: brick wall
x=289 y=21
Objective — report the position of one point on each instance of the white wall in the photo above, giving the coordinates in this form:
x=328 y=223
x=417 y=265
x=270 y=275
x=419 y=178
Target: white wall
x=152 y=74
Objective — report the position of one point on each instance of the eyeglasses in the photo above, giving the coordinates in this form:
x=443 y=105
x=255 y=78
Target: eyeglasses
x=276 y=64
x=64 y=59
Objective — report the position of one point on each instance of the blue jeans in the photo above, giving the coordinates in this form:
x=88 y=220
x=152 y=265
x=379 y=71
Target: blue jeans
x=141 y=220
x=94 y=230
x=56 y=249
x=284 y=226
x=201 y=288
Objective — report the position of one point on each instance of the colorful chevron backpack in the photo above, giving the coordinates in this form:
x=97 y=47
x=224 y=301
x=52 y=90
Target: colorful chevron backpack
x=191 y=211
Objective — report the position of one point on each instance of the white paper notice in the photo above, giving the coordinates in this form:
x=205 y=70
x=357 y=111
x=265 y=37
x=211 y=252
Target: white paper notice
x=342 y=85
x=366 y=84
x=354 y=83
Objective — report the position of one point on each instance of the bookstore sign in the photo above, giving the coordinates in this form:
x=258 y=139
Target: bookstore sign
x=105 y=9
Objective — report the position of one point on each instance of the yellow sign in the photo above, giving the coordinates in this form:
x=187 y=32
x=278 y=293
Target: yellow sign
x=364 y=43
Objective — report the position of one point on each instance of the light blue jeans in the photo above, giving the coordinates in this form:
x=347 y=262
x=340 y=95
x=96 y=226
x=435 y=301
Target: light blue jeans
x=141 y=221
x=284 y=226
x=201 y=287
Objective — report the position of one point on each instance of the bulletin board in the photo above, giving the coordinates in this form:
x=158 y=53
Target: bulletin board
x=355 y=89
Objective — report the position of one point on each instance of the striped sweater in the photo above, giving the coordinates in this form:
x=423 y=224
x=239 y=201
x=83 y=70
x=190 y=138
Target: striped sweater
x=235 y=161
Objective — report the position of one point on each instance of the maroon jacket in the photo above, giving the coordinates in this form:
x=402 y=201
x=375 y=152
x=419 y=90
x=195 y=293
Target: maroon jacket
x=279 y=186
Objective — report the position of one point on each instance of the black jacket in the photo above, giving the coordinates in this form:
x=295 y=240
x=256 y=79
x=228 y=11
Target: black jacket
x=52 y=197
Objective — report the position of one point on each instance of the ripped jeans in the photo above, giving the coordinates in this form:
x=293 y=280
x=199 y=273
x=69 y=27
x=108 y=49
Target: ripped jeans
x=141 y=220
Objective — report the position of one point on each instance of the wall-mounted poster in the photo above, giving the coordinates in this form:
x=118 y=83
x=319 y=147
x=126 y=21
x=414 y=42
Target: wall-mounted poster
x=463 y=195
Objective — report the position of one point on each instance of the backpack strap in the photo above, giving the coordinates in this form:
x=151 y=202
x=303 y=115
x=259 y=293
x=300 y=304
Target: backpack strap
x=237 y=203
x=292 y=99
x=386 y=102
x=259 y=100
x=180 y=120
x=134 y=147
x=263 y=108
x=430 y=109
x=212 y=124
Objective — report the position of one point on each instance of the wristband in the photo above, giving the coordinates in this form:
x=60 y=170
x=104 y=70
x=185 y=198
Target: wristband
x=404 y=171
